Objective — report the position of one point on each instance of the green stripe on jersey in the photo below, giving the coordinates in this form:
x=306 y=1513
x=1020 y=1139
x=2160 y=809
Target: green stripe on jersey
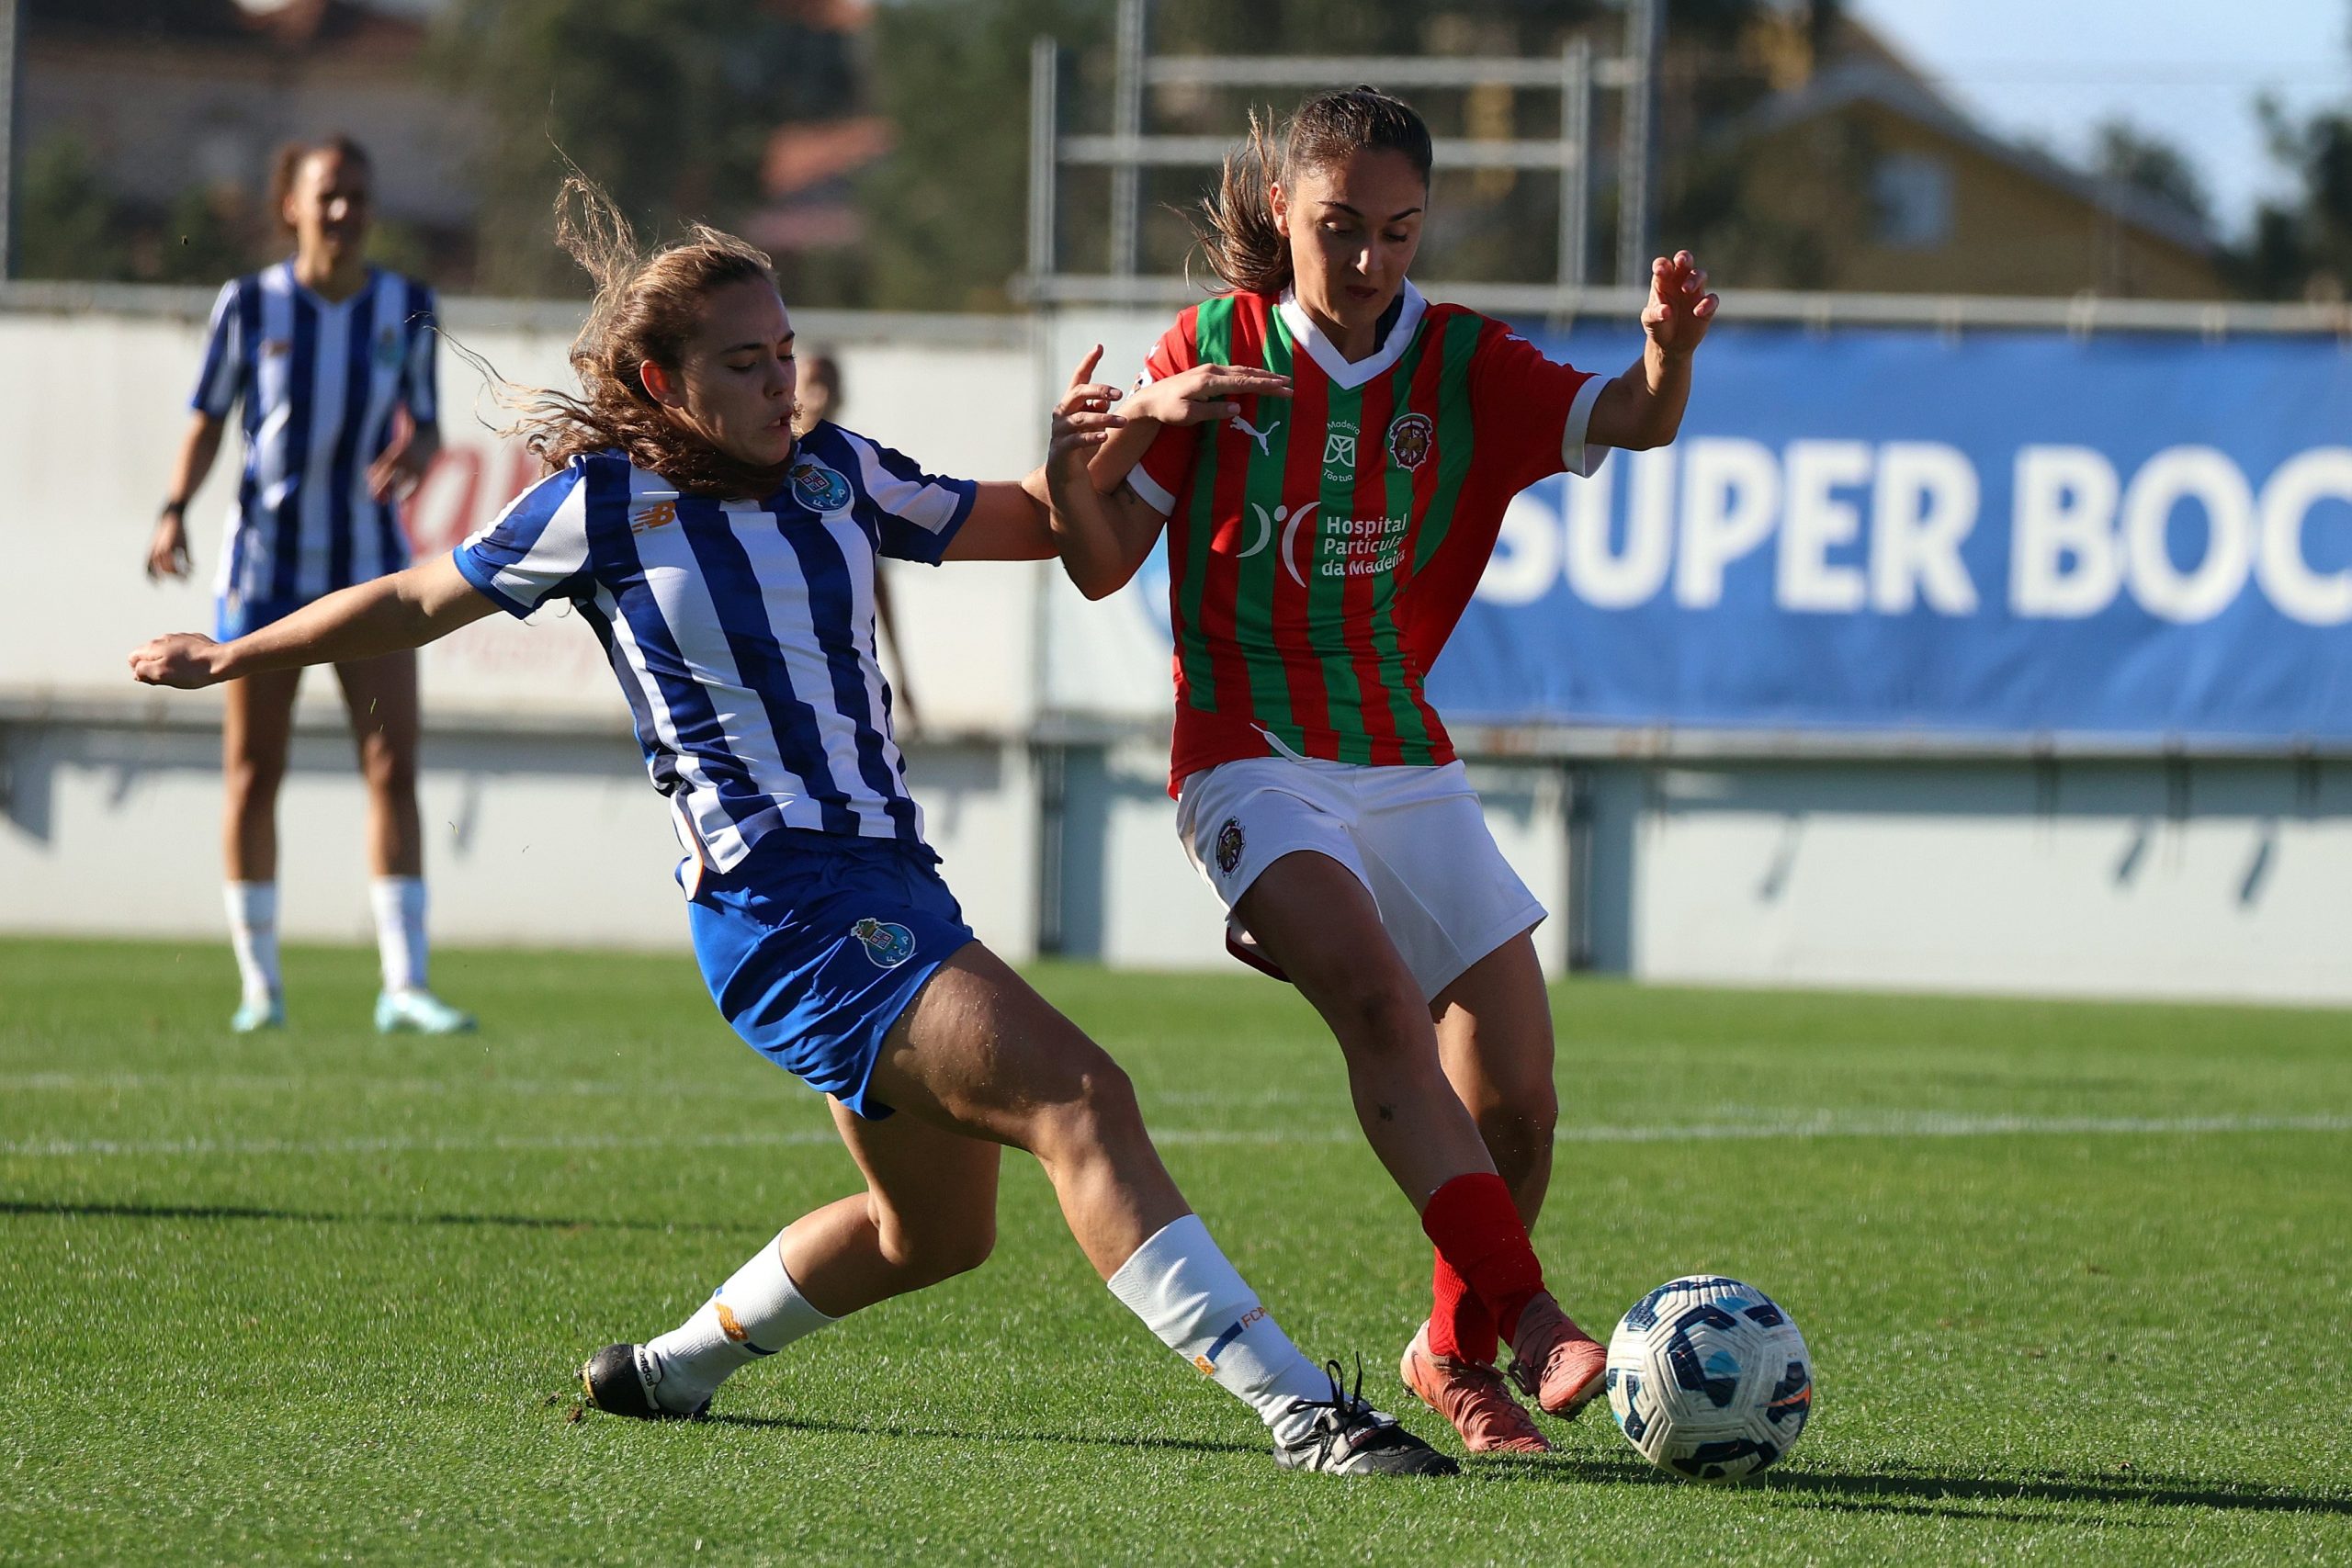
x=1326 y=593
x=1213 y=336
x=1259 y=569
x=1453 y=424
x=1412 y=733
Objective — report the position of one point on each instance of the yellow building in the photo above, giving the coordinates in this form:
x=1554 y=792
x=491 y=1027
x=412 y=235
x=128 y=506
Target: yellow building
x=1862 y=178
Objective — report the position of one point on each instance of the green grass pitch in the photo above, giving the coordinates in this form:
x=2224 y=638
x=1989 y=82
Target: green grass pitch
x=2077 y=1280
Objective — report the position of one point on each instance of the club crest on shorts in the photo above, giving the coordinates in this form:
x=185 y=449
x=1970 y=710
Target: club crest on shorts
x=1228 y=845
x=1410 y=436
x=887 y=943
x=821 y=489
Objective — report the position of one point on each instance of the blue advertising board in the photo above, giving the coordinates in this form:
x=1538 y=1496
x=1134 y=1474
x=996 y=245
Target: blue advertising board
x=2000 y=533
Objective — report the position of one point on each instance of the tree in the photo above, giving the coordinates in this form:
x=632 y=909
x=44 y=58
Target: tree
x=65 y=218
x=668 y=104
x=2304 y=250
x=2131 y=156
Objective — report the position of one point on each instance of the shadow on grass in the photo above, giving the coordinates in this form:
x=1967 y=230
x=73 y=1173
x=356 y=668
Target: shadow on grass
x=1903 y=1489
x=316 y=1217
x=953 y=1434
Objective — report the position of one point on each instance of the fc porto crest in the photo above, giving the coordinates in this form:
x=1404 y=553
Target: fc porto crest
x=1228 y=845
x=821 y=489
x=887 y=942
x=1410 y=439
x=388 y=348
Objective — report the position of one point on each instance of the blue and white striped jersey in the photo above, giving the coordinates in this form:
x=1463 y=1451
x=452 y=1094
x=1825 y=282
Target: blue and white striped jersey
x=743 y=631
x=319 y=383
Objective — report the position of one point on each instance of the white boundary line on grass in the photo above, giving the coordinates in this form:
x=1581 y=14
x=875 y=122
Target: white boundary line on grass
x=1896 y=1124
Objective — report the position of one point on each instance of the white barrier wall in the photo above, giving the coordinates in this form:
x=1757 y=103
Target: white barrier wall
x=1042 y=765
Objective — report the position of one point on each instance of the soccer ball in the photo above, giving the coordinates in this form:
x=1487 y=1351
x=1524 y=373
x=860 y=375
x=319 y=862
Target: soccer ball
x=1709 y=1379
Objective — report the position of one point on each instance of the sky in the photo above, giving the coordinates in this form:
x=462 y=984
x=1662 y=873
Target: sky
x=2053 y=71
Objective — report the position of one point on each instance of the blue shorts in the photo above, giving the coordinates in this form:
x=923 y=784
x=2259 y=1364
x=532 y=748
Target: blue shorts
x=815 y=944
x=232 y=617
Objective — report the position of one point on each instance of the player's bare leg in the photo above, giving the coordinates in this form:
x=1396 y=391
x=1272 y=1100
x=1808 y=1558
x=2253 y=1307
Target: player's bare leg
x=381 y=697
x=1494 y=1026
x=979 y=1060
x=1312 y=916
x=256 y=728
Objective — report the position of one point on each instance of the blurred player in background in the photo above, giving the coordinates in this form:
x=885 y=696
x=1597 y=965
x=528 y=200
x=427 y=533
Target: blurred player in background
x=728 y=567
x=1322 y=546
x=821 y=400
x=331 y=362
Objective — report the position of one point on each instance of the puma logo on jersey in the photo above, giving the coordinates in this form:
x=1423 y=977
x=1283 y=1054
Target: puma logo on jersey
x=1264 y=438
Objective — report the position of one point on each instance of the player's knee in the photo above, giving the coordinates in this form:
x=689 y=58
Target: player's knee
x=935 y=1253
x=389 y=770
x=251 y=784
x=1376 y=1010
x=1096 y=1108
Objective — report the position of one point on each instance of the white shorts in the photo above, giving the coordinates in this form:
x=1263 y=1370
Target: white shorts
x=1414 y=835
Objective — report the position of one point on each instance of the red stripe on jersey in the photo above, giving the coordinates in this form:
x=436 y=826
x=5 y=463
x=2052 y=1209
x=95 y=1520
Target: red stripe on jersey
x=1358 y=592
x=1310 y=405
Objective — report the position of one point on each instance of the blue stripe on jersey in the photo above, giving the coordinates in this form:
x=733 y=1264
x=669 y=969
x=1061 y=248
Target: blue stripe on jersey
x=742 y=635
x=751 y=641
x=248 y=392
x=359 y=347
x=304 y=523
x=302 y=372
x=692 y=716
x=825 y=567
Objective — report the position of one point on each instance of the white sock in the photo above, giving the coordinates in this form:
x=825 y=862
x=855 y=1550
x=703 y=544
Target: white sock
x=757 y=1312
x=398 y=902
x=1186 y=1293
x=253 y=933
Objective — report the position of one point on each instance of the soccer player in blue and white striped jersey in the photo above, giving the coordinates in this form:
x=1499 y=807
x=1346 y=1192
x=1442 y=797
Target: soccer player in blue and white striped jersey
x=330 y=364
x=728 y=568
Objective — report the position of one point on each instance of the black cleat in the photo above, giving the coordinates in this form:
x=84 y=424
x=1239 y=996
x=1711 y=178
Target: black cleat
x=619 y=1380
x=1349 y=1438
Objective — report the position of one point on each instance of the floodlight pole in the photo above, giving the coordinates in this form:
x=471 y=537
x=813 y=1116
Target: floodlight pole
x=1045 y=75
x=1126 y=123
x=1637 y=144
x=12 y=81
x=1575 y=175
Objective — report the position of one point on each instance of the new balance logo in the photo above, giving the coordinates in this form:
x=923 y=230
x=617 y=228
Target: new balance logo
x=660 y=514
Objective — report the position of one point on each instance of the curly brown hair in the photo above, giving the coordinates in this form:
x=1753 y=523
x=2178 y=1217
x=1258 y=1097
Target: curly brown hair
x=1246 y=249
x=647 y=308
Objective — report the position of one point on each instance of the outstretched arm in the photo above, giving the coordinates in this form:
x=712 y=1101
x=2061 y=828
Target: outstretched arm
x=1642 y=408
x=167 y=554
x=407 y=609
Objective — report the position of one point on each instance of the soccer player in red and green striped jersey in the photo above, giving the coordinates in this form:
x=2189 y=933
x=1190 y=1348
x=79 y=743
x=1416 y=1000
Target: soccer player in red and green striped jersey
x=1321 y=546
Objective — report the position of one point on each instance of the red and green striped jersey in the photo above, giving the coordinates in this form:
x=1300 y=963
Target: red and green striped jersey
x=1321 y=550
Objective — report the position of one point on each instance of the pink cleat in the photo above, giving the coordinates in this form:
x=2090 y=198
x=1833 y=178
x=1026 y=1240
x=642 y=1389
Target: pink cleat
x=1553 y=1360
x=1473 y=1397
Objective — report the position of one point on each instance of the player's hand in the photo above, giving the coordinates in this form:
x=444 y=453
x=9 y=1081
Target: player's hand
x=183 y=658
x=396 y=473
x=1679 y=305
x=1203 y=392
x=1082 y=420
x=167 y=550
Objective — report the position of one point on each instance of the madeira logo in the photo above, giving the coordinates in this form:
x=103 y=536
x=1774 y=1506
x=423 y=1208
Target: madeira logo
x=821 y=489
x=887 y=943
x=1409 y=439
x=1229 y=845
x=660 y=514
x=1339 y=450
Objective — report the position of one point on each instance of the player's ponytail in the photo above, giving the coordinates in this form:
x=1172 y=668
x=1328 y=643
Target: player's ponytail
x=647 y=308
x=1245 y=250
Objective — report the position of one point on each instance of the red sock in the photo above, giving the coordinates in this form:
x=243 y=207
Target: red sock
x=1459 y=1326
x=1477 y=1233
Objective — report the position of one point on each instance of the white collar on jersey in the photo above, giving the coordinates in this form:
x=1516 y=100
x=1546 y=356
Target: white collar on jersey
x=1347 y=373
